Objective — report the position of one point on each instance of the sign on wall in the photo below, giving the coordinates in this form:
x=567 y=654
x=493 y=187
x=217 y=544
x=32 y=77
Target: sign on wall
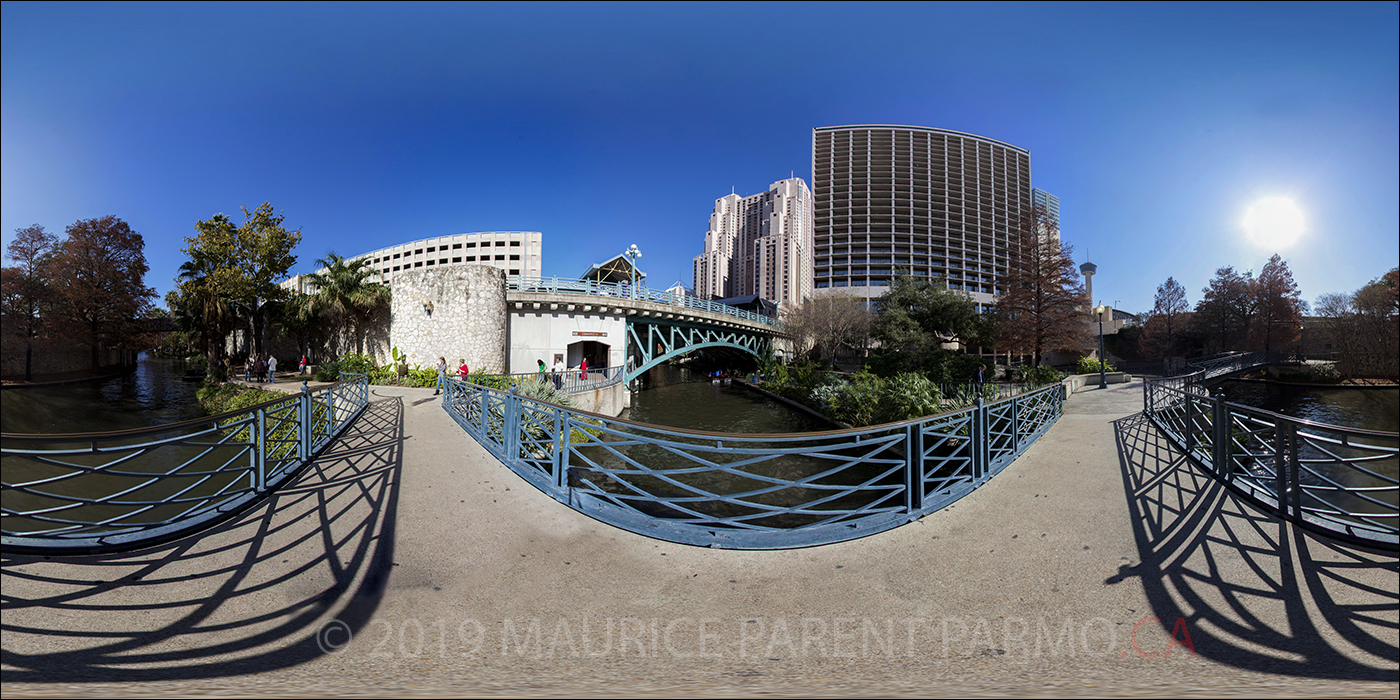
x=592 y=334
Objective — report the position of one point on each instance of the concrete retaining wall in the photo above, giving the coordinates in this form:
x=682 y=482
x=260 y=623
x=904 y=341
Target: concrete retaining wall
x=608 y=400
x=50 y=361
x=1079 y=382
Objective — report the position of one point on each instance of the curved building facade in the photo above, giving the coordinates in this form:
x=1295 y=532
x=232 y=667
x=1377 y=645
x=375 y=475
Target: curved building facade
x=915 y=200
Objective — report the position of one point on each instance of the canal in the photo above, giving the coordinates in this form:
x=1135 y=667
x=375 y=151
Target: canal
x=681 y=398
x=154 y=393
x=1368 y=409
x=754 y=470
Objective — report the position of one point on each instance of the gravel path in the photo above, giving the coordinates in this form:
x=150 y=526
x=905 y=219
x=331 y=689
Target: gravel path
x=409 y=562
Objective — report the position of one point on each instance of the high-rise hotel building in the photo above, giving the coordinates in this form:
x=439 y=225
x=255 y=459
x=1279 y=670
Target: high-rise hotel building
x=915 y=200
x=761 y=244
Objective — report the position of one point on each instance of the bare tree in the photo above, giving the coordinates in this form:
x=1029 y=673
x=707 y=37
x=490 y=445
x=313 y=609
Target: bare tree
x=1168 y=310
x=1226 y=309
x=829 y=322
x=1043 y=307
x=1363 y=328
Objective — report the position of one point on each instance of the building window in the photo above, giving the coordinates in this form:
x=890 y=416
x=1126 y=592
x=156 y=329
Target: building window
x=456 y=246
x=418 y=264
x=456 y=260
x=418 y=252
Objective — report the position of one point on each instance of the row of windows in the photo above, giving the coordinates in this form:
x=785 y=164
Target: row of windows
x=455 y=246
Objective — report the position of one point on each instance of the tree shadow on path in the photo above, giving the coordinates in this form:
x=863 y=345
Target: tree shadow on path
x=1256 y=592
x=282 y=584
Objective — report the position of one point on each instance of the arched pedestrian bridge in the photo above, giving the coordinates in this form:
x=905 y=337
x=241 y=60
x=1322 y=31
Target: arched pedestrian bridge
x=616 y=324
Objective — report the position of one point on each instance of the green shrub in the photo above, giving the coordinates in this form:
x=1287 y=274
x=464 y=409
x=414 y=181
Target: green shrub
x=1043 y=374
x=356 y=363
x=1089 y=365
x=1326 y=373
x=328 y=371
x=906 y=396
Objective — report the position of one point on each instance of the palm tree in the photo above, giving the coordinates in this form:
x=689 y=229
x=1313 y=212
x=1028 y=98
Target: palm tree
x=344 y=295
x=213 y=315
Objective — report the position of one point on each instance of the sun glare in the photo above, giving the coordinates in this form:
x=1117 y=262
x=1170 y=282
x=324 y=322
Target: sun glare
x=1274 y=223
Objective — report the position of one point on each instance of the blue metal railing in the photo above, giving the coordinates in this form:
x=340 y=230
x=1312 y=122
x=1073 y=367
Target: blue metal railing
x=569 y=381
x=751 y=491
x=1341 y=482
x=624 y=290
x=98 y=492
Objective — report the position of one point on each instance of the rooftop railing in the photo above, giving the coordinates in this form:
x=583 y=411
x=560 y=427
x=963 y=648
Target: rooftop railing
x=81 y=493
x=743 y=491
x=1338 y=481
x=624 y=290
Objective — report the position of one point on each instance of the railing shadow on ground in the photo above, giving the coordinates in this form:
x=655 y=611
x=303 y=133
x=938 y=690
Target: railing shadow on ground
x=1256 y=592
x=280 y=585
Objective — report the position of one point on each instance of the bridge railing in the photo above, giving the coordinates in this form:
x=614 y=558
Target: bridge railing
x=1228 y=363
x=625 y=290
x=569 y=381
x=97 y=492
x=1338 y=481
x=743 y=491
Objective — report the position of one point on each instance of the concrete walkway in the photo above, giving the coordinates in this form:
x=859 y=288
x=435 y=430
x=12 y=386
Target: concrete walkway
x=410 y=562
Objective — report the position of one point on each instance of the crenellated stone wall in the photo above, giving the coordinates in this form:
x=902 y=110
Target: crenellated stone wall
x=467 y=320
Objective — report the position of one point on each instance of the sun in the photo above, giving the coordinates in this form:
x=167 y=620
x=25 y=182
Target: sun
x=1274 y=223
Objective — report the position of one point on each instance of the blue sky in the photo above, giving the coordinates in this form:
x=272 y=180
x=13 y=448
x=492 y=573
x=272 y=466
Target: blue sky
x=604 y=125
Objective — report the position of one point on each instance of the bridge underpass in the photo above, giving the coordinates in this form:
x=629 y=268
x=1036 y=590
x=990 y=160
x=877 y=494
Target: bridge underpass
x=617 y=330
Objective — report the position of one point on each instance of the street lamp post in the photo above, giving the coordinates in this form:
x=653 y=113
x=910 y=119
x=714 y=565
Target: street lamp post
x=632 y=255
x=1103 y=377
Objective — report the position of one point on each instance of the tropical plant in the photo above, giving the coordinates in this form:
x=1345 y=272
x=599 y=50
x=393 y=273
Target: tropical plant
x=1043 y=374
x=908 y=396
x=346 y=296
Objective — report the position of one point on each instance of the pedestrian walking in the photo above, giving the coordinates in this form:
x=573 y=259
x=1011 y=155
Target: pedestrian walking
x=301 y=367
x=259 y=368
x=442 y=375
x=271 y=369
x=559 y=370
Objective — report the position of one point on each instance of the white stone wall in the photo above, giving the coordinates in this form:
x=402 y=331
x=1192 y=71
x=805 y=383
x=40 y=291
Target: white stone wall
x=468 y=318
x=540 y=334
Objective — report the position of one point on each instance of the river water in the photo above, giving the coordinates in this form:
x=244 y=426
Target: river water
x=679 y=398
x=1368 y=409
x=154 y=393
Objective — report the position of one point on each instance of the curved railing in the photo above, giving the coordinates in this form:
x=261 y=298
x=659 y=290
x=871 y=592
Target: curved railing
x=1337 y=481
x=96 y=492
x=1228 y=363
x=751 y=491
x=623 y=290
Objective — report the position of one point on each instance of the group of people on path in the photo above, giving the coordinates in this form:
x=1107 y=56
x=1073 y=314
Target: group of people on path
x=462 y=371
x=260 y=369
x=557 y=372
x=264 y=369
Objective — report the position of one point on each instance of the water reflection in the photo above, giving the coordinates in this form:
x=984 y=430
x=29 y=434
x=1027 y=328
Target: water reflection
x=154 y=393
x=1368 y=409
x=680 y=398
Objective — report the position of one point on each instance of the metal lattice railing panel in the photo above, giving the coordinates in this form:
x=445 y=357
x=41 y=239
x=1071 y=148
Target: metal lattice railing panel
x=1339 y=481
x=745 y=491
x=108 y=491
